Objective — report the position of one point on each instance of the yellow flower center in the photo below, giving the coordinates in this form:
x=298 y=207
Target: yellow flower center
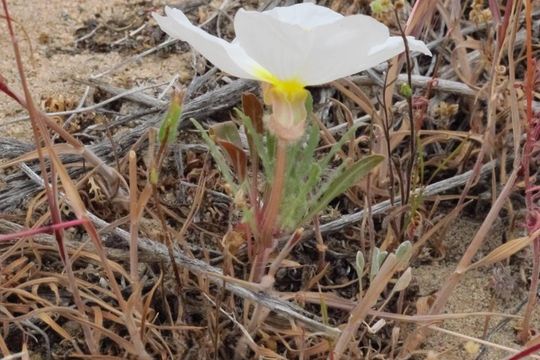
x=288 y=101
x=290 y=89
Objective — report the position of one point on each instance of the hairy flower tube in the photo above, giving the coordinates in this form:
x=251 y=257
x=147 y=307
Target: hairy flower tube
x=289 y=48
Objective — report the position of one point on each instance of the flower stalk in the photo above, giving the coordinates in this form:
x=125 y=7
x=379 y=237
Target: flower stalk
x=271 y=212
x=320 y=46
x=533 y=212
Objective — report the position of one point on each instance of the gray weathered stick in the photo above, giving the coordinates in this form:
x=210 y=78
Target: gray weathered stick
x=154 y=250
x=379 y=208
x=447 y=86
x=135 y=96
x=19 y=188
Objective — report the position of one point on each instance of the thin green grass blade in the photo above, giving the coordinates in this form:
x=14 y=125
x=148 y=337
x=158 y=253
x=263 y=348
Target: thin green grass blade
x=342 y=182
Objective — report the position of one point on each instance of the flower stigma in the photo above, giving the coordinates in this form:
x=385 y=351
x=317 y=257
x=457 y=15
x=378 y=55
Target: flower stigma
x=288 y=101
x=290 y=88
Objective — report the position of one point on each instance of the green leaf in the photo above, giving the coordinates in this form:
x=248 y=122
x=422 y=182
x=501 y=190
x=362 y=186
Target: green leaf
x=307 y=158
x=324 y=311
x=324 y=186
x=337 y=146
x=271 y=147
x=377 y=259
x=342 y=182
x=375 y=264
x=404 y=254
x=303 y=174
x=257 y=142
x=169 y=126
x=154 y=176
x=293 y=211
x=359 y=265
x=309 y=104
x=382 y=256
x=227 y=131
x=376 y=7
x=221 y=163
x=291 y=170
x=405 y=90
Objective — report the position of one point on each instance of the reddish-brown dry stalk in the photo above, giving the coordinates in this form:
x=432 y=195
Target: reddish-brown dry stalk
x=271 y=211
x=134 y=223
x=528 y=351
x=416 y=338
x=40 y=132
x=532 y=221
x=42 y=230
x=272 y=208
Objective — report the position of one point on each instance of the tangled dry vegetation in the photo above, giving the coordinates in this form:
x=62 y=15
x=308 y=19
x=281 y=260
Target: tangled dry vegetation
x=72 y=283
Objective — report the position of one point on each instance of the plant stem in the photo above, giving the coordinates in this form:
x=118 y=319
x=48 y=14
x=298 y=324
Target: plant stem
x=271 y=211
x=412 y=123
x=272 y=208
x=361 y=310
x=414 y=340
x=528 y=351
x=532 y=223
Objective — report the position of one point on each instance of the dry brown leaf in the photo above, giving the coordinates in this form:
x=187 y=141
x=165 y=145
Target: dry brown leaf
x=504 y=251
x=54 y=325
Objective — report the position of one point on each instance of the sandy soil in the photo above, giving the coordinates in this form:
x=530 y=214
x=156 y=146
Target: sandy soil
x=55 y=63
x=497 y=289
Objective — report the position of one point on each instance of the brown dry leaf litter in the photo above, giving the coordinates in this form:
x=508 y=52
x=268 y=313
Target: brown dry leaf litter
x=53 y=27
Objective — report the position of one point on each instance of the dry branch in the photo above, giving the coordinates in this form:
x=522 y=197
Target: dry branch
x=153 y=251
x=19 y=188
x=138 y=97
x=156 y=252
x=432 y=189
x=446 y=86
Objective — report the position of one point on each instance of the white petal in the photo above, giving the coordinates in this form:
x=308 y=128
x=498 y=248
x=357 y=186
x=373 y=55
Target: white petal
x=342 y=48
x=230 y=58
x=351 y=45
x=280 y=39
x=395 y=46
x=306 y=15
x=418 y=45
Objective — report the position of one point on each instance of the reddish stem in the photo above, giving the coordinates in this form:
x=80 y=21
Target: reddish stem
x=505 y=21
x=270 y=213
x=42 y=230
x=271 y=210
x=532 y=222
x=529 y=351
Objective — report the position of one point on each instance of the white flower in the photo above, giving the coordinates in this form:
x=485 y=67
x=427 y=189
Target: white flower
x=292 y=47
x=307 y=43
